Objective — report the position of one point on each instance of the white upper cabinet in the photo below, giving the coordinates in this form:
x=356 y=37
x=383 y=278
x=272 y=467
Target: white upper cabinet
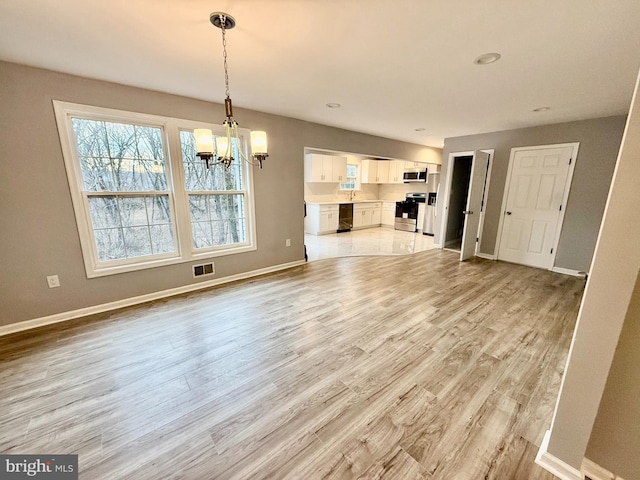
x=415 y=166
x=383 y=171
x=433 y=168
x=396 y=171
x=339 y=169
x=324 y=168
x=369 y=171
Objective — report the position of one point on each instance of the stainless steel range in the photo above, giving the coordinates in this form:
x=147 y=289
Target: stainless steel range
x=407 y=212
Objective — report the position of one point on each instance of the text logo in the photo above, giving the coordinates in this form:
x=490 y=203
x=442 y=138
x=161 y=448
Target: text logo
x=44 y=467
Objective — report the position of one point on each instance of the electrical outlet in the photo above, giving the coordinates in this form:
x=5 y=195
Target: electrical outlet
x=53 y=281
x=287 y=242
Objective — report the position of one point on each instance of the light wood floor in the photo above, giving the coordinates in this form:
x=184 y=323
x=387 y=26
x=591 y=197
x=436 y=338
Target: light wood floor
x=406 y=367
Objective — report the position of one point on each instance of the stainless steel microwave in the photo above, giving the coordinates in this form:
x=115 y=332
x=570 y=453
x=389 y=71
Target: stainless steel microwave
x=411 y=177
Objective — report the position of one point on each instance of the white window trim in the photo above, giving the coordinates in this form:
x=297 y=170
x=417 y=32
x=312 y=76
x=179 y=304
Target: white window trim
x=178 y=196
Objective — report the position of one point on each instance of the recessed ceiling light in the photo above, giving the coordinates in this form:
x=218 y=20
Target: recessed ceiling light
x=542 y=109
x=333 y=105
x=487 y=58
x=421 y=129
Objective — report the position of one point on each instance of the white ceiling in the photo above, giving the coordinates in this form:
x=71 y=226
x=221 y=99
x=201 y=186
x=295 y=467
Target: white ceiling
x=394 y=65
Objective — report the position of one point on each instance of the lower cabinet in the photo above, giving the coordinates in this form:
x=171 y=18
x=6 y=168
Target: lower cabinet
x=367 y=214
x=388 y=214
x=321 y=218
x=420 y=219
x=324 y=218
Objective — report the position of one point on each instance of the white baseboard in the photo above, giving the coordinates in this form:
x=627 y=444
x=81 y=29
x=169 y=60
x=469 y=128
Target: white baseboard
x=554 y=465
x=568 y=271
x=485 y=255
x=595 y=472
x=127 y=302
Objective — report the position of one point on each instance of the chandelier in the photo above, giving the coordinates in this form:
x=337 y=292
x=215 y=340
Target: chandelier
x=223 y=151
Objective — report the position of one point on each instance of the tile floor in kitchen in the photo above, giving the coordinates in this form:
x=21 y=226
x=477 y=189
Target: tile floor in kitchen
x=369 y=241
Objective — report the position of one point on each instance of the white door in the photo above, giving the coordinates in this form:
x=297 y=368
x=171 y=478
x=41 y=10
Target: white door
x=535 y=191
x=479 y=165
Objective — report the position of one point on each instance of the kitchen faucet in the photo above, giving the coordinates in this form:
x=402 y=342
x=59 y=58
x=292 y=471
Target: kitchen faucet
x=352 y=194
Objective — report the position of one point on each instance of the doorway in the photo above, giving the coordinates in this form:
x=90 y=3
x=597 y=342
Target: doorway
x=458 y=196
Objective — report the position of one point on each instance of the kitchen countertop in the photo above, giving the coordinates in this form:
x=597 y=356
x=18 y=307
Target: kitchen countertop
x=353 y=201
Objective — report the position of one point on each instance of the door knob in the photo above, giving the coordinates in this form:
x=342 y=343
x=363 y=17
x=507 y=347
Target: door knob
x=468 y=212
x=508 y=213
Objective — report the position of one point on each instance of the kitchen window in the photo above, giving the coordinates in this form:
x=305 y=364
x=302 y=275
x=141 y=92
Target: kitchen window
x=351 y=179
x=141 y=196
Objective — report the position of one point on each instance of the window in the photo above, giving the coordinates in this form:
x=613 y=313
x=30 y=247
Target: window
x=136 y=205
x=352 y=173
x=216 y=198
x=125 y=186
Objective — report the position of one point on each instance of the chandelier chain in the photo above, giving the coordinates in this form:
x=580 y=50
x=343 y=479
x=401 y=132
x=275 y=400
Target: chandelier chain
x=223 y=24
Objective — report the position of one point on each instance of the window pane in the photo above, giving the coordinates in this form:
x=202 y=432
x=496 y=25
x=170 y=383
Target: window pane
x=216 y=178
x=97 y=174
x=199 y=208
x=120 y=157
x=158 y=211
x=110 y=244
x=162 y=239
x=104 y=212
x=218 y=219
x=350 y=182
x=137 y=241
x=132 y=211
x=91 y=138
x=201 y=232
x=131 y=226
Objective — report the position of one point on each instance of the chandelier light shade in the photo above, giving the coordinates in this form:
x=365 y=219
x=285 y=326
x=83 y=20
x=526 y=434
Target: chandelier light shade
x=223 y=151
x=204 y=139
x=259 y=143
x=222 y=146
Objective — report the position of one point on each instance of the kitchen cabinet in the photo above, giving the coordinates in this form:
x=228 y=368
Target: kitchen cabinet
x=433 y=168
x=382 y=171
x=369 y=171
x=366 y=214
x=374 y=171
x=420 y=219
x=388 y=217
x=396 y=171
x=361 y=216
x=320 y=168
x=376 y=215
x=415 y=166
x=321 y=218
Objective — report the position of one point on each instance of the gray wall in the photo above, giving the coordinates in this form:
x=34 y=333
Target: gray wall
x=616 y=433
x=599 y=144
x=39 y=236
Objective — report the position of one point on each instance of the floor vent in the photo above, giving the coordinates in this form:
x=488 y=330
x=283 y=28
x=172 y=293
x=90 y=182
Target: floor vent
x=205 y=269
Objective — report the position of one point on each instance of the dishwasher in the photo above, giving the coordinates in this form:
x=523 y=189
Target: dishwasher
x=345 y=217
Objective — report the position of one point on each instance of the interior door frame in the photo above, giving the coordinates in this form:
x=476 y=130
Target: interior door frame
x=447 y=192
x=565 y=195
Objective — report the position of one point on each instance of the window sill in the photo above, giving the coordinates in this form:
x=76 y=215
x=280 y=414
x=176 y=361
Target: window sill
x=104 y=271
